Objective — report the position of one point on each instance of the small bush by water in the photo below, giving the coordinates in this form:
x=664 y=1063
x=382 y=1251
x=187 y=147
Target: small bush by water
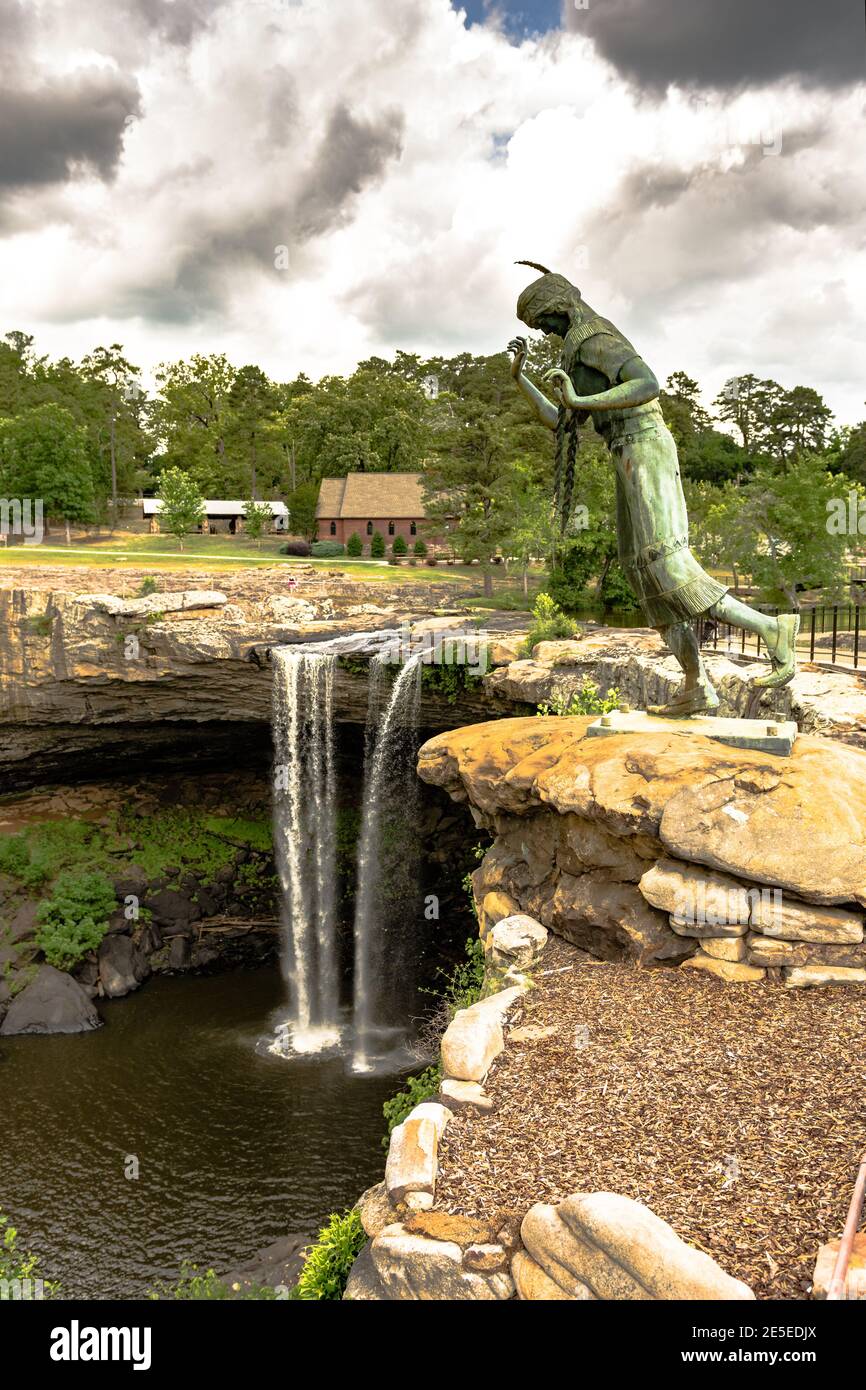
x=20 y=1268
x=549 y=624
x=203 y=1286
x=586 y=700
x=75 y=918
x=330 y=1260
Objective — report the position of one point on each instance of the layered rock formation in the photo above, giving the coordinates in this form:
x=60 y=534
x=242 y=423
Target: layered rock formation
x=93 y=676
x=669 y=846
x=639 y=666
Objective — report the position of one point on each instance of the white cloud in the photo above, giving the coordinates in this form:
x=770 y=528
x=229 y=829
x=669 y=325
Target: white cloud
x=406 y=162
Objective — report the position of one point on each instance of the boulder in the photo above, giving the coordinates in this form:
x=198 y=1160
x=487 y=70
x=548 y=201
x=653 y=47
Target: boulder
x=518 y=940
x=774 y=951
x=122 y=965
x=363 y=1284
x=150 y=604
x=782 y=917
x=729 y=948
x=459 y=1094
x=699 y=903
x=573 y=1262
x=376 y=1209
x=412 y=1152
x=474 y=1036
x=413 y=1267
x=731 y=971
x=804 y=976
x=648 y=1248
x=171 y=910
x=534 y=1286
x=494 y=907
x=855 y=1284
x=53 y=1002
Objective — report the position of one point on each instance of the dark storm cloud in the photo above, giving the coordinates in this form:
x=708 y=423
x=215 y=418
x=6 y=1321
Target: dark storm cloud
x=727 y=43
x=352 y=156
x=176 y=21
x=47 y=131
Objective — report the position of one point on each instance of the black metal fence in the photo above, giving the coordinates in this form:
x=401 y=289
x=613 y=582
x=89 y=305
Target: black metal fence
x=830 y=633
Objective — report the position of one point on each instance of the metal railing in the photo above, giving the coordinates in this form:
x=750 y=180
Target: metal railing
x=830 y=634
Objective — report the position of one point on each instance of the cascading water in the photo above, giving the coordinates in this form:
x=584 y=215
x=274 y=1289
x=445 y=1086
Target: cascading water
x=305 y=844
x=389 y=785
x=305 y=834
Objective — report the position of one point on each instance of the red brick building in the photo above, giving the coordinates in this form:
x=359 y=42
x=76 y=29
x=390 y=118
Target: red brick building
x=390 y=503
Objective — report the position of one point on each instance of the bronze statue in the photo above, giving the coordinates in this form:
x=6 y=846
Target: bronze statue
x=604 y=378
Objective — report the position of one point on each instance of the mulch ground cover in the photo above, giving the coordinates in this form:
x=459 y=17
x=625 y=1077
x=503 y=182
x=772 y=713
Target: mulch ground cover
x=735 y=1112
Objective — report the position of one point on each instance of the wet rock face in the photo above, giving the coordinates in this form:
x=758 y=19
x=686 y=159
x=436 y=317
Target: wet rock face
x=663 y=847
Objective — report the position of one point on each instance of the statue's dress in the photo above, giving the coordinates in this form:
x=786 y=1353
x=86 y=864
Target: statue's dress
x=651 y=519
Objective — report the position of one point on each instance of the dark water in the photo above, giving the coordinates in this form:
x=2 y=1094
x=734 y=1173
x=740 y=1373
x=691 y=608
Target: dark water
x=235 y=1148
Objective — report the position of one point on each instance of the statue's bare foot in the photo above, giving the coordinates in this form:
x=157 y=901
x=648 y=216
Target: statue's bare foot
x=784 y=658
x=693 y=699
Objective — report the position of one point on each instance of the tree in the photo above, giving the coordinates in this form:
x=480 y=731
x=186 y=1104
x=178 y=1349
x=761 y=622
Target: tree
x=469 y=486
x=118 y=379
x=420 y=548
x=182 y=504
x=302 y=510
x=253 y=444
x=354 y=545
x=738 y=403
x=377 y=545
x=399 y=547
x=193 y=418
x=776 y=529
x=44 y=457
x=258 y=518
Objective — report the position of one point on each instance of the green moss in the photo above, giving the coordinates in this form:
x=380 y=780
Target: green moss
x=450 y=680
x=178 y=837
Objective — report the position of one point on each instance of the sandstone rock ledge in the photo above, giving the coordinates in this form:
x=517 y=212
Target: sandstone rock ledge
x=669 y=847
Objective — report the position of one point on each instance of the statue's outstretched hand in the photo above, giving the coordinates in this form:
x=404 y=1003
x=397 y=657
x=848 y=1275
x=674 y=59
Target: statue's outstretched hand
x=518 y=347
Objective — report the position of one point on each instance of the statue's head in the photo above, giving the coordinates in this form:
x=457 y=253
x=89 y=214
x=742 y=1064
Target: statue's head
x=550 y=303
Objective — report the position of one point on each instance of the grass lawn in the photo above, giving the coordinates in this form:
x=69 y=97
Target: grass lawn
x=220 y=552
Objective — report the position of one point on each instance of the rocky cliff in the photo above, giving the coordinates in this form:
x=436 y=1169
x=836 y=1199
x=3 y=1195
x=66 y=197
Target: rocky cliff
x=95 y=678
x=669 y=847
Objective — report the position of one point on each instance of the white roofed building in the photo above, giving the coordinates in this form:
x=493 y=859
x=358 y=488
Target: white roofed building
x=222 y=517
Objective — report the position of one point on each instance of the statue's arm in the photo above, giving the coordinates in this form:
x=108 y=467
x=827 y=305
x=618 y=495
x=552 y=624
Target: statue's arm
x=544 y=409
x=638 y=385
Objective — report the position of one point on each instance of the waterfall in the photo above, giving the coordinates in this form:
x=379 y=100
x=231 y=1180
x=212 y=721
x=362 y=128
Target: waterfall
x=305 y=843
x=389 y=784
x=305 y=839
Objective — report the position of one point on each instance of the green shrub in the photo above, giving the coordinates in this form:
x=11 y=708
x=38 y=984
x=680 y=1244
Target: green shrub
x=295 y=547
x=377 y=546
x=420 y=548
x=399 y=547
x=147 y=586
x=616 y=592
x=327 y=550
x=74 y=919
x=354 y=545
x=416 y=1089
x=197 y=1286
x=326 y=1268
x=35 y=856
x=19 y=1265
x=586 y=700
x=549 y=624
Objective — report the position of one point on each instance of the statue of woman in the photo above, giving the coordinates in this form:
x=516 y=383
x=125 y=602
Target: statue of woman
x=602 y=377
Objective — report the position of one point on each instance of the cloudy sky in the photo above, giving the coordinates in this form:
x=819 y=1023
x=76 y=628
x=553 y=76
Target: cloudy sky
x=301 y=183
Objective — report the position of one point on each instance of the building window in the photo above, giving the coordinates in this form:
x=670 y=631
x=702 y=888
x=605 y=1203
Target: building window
x=413 y=529
x=369 y=528
x=390 y=528
x=333 y=528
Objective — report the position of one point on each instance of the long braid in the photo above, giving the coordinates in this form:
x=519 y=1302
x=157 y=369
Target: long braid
x=567 y=444
x=560 y=461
